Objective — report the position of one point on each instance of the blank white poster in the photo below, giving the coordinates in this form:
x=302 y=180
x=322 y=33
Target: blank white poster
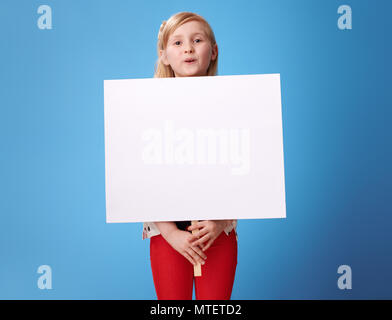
x=194 y=148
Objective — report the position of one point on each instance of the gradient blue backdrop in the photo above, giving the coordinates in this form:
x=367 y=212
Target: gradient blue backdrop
x=336 y=95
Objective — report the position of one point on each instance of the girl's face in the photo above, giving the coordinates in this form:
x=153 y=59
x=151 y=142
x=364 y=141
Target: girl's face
x=189 y=51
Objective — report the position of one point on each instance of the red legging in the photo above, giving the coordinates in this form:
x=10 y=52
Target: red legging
x=173 y=273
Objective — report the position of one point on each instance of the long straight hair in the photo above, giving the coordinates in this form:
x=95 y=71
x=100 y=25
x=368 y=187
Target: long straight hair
x=167 y=28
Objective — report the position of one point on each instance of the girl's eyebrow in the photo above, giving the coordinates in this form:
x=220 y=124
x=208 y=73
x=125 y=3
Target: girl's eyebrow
x=193 y=34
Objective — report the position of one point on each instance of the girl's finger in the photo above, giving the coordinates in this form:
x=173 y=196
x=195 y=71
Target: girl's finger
x=199 y=252
x=195 y=256
x=209 y=244
x=201 y=233
x=201 y=240
x=194 y=226
x=186 y=255
x=197 y=225
x=192 y=238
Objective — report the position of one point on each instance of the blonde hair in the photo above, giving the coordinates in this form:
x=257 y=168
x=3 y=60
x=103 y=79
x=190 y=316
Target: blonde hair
x=167 y=28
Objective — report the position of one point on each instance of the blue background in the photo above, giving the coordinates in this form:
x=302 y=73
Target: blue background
x=336 y=96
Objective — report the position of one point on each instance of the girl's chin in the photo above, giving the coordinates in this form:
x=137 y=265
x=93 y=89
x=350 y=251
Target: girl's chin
x=189 y=74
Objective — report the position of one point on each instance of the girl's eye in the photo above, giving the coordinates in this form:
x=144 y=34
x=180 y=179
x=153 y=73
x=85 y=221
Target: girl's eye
x=178 y=42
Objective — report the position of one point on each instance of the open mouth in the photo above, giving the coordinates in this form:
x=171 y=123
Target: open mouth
x=189 y=61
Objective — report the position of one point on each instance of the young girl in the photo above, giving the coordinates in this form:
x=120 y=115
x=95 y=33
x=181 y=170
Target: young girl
x=187 y=48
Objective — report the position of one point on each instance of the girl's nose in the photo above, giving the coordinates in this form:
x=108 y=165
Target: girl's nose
x=188 y=48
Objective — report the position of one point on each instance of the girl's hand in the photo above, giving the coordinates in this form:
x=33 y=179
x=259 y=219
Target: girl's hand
x=181 y=241
x=209 y=230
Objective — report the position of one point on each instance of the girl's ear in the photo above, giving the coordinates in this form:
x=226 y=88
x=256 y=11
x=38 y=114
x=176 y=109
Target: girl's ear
x=163 y=57
x=214 y=53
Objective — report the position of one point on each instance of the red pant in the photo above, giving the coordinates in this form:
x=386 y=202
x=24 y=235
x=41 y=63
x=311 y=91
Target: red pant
x=173 y=273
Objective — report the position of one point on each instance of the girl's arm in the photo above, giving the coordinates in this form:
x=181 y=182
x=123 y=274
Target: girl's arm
x=166 y=227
